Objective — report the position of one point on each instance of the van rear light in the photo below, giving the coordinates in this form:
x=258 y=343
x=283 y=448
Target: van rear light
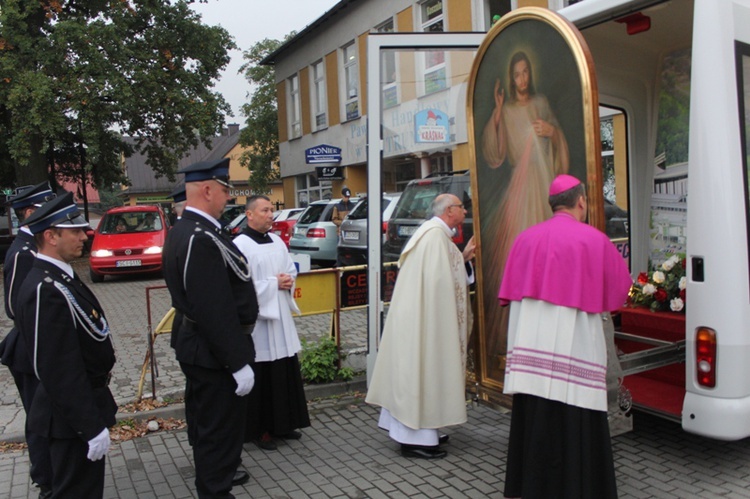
x=385 y=227
x=316 y=233
x=705 y=356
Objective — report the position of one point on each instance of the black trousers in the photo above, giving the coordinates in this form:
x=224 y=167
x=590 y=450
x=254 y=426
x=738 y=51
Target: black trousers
x=217 y=416
x=41 y=465
x=74 y=474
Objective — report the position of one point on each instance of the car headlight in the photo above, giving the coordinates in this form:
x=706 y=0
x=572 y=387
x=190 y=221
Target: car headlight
x=102 y=253
x=153 y=250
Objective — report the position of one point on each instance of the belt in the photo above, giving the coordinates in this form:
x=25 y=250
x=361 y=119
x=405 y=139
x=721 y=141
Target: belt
x=190 y=325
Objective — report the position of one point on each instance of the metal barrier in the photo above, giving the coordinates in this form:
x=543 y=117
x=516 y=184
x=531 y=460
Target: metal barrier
x=324 y=291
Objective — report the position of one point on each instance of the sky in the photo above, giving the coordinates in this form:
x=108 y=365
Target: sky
x=250 y=21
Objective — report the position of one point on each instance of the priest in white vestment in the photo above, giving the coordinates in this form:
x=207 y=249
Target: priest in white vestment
x=277 y=404
x=419 y=376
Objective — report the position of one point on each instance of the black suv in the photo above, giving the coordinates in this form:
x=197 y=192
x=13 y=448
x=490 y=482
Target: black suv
x=413 y=208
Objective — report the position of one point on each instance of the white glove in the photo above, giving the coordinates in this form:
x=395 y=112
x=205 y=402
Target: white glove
x=98 y=446
x=245 y=379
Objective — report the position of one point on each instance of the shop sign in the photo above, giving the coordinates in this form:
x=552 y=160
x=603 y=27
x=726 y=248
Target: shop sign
x=330 y=172
x=323 y=154
x=431 y=126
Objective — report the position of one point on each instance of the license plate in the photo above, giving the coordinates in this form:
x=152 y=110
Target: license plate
x=407 y=230
x=128 y=263
x=350 y=235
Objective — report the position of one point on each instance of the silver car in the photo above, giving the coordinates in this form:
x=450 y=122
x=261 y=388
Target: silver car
x=352 y=248
x=315 y=234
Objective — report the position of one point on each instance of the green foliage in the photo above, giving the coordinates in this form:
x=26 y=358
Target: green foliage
x=261 y=132
x=318 y=362
x=674 y=108
x=77 y=77
x=109 y=199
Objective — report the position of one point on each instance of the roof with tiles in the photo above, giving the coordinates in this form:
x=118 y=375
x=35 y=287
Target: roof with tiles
x=143 y=179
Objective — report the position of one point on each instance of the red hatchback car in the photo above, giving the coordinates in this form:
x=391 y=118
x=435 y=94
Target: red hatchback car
x=128 y=240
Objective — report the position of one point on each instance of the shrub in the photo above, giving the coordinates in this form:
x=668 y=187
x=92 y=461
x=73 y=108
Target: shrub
x=319 y=361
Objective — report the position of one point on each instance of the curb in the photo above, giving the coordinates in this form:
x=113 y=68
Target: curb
x=312 y=392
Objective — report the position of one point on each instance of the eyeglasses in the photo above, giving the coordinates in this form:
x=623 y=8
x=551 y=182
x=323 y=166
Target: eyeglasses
x=454 y=205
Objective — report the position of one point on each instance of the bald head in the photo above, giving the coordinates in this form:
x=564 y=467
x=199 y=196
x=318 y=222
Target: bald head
x=449 y=209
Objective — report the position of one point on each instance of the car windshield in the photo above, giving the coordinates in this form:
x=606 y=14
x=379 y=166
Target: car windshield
x=360 y=211
x=312 y=214
x=129 y=222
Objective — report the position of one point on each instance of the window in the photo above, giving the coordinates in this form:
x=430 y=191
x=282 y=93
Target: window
x=309 y=189
x=441 y=164
x=351 y=81
x=319 y=95
x=496 y=9
x=294 y=108
x=433 y=60
x=388 y=70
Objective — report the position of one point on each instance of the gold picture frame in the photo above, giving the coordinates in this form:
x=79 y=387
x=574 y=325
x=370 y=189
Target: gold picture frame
x=533 y=112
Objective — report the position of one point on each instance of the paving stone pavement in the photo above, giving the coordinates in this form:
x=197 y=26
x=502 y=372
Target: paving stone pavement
x=343 y=454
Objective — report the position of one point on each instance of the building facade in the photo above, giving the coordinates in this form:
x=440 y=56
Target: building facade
x=321 y=80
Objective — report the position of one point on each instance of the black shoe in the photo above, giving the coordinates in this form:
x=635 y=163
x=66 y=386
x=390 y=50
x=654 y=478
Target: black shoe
x=443 y=439
x=266 y=442
x=240 y=477
x=292 y=435
x=422 y=452
x=45 y=492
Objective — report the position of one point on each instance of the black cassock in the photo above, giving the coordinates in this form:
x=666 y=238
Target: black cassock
x=277 y=404
x=64 y=326
x=211 y=289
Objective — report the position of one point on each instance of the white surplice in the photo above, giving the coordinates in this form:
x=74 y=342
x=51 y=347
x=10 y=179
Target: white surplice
x=275 y=334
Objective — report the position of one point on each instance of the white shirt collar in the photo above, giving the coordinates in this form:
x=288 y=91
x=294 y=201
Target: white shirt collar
x=26 y=230
x=63 y=266
x=451 y=231
x=204 y=215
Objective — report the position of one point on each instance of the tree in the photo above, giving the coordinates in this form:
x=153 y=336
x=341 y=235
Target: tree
x=80 y=75
x=261 y=133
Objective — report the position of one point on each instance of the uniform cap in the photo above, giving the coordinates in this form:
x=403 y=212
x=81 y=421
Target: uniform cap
x=562 y=183
x=61 y=212
x=35 y=195
x=346 y=192
x=208 y=170
x=178 y=194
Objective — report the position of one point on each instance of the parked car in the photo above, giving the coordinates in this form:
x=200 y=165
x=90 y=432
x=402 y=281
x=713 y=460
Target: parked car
x=315 y=234
x=283 y=223
x=128 y=240
x=617 y=222
x=231 y=211
x=352 y=248
x=413 y=208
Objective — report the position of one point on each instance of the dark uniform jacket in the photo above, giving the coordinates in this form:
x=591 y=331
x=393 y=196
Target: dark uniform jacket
x=210 y=284
x=61 y=320
x=340 y=211
x=18 y=262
